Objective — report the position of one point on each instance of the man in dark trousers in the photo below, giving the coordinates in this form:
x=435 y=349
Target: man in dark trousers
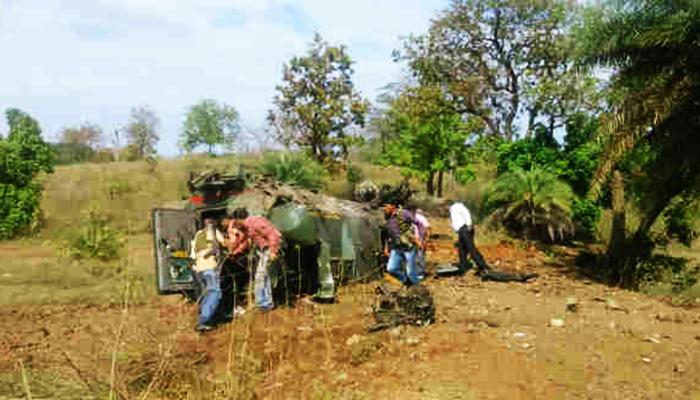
x=461 y=221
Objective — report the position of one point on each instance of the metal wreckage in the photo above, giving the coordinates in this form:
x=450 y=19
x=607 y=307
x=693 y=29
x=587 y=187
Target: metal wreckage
x=327 y=242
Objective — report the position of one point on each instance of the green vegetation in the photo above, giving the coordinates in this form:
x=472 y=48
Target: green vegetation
x=23 y=155
x=294 y=169
x=142 y=134
x=653 y=46
x=96 y=239
x=532 y=203
x=209 y=124
x=317 y=103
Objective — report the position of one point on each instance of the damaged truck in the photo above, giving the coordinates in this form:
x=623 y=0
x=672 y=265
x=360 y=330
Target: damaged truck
x=327 y=241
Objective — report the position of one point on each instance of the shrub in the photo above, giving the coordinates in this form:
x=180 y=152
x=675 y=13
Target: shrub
x=354 y=174
x=294 y=169
x=532 y=203
x=23 y=155
x=585 y=214
x=96 y=239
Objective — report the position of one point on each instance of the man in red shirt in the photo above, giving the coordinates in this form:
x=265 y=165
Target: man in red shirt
x=258 y=234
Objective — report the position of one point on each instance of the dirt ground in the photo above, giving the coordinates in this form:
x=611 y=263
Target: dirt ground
x=491 y=341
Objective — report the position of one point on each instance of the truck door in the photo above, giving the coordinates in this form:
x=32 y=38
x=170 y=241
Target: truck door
x=172 y=232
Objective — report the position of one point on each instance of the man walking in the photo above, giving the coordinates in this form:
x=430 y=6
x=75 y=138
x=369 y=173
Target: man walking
x=402 y=244
x=259 y=234
x=461 y=221
x=205 y=249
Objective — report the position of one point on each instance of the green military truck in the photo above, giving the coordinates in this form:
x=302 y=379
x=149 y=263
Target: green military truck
x=327 y=241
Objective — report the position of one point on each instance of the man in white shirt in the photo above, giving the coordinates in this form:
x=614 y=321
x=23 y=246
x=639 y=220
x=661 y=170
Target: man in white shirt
x=461 y=221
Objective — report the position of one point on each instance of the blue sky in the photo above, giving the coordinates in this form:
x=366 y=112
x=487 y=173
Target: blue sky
x=67 y=62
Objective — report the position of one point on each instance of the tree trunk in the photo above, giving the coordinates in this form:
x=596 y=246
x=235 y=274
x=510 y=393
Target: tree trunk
x=430 y=184
x=439 y=183
x=618 y=234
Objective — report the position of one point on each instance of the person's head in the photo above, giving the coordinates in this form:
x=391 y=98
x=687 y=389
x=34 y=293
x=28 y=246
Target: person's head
x=412 y=207
x=209 y=223
x=240 y=214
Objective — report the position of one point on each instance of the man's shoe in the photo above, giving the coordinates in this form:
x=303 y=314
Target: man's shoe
x=201 y=328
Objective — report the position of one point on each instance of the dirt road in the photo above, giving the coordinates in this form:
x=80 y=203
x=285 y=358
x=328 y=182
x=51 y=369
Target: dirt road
x=491 y=341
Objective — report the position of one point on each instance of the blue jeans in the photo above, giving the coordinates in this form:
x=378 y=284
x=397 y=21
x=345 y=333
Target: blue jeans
x=394 y=265
x=263 y=286
x=420 y=264
x=212 y=295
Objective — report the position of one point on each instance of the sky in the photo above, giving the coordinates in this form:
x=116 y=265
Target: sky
x=67 y=61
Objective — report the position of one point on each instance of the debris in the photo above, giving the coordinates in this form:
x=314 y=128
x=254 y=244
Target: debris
x=412 y=341
x=519 y=334
x=611 y=304
x=354 y=339
x=679 y=368
x=571 y=304
x=653 y=339
x=526 y=346
x=413 y=305
x=646 y=360
x=556 y=323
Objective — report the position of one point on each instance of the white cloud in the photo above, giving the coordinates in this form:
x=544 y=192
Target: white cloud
x=70 y=61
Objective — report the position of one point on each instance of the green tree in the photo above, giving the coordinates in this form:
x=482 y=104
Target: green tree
x=23 y=155
x=532 y=203
x=317 y=104
x=211 y=124
x=86 y=134
x=294 y=169
x=499 y=59
x=654 y=48
x=142 y=133
x=429 y=138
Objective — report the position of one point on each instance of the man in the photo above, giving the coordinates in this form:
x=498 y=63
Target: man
x=461 y=221
x=205 y=250
x=258 y=234
x=422 y=228
x=402 y=244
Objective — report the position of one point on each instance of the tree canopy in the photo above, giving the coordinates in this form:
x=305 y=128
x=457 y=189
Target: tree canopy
x=23 y=155
x=317 y=105
x=209 y=124
x=142 y=132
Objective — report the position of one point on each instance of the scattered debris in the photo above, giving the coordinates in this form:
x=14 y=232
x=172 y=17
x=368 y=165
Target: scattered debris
x=653 y=339
x=413 y=305
x=571 y=304
x=556 y=323
x=646 y=360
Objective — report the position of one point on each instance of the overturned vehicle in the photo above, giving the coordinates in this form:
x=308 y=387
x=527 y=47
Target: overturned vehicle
x=327 y=241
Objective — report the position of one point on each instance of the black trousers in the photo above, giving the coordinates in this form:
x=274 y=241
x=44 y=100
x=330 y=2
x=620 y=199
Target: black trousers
x=468 y=249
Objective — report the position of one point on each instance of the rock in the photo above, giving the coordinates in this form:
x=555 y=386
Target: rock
x=653 y=339
x=679 y=368
x=556 y=323
x=354 y=339
x=519 y=334
x=412 y=341
x=646 y=360
x=571 y=304
x=526 y=346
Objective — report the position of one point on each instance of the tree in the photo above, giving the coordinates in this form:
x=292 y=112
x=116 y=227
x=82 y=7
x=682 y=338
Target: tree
x=532 y=203
x=654 y=48
x=86 y=134
x=211 y=124
x=317 y=104
x=429 y=137
x=23 y=155
x=142 y=132
x=499 y=58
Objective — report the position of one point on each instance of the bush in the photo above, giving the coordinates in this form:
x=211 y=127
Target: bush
x=96 y=239
x=585 y=214
x=23 y=155
x=532 y=203
x=294 y=169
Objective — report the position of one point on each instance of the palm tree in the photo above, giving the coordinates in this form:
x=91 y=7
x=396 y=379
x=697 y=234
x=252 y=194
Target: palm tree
x=653 y=47
x=294 y=169
x=532 y=203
